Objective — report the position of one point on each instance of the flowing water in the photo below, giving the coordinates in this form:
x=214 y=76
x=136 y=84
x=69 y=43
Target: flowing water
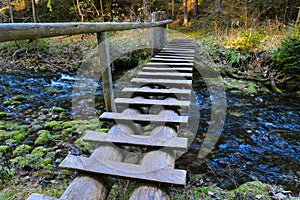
x=260 y=139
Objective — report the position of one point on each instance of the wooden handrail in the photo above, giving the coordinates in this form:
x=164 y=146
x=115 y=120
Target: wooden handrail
x=19 y=31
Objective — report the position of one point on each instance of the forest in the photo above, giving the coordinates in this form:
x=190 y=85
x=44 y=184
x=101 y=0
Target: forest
x=253 y=45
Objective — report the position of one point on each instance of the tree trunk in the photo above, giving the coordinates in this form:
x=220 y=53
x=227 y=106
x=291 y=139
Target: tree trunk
x=217 y=7
x=185 y=13
x=33 y=11
x=194 y=8
x=10 y=11
x=173 y=9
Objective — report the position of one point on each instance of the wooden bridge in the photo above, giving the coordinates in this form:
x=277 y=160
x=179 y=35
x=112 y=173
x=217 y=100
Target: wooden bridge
x=160 y=99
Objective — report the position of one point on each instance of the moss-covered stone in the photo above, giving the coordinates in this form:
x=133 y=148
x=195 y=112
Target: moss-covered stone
x=19 y=98
x=39 y=151
x=3 y=149
x=58 y=109
x=63 y=115
x=83 y=145
x=251 y=89
x=68 y=124
x=44 y=138
x=21 y=150
x=51 y=91
x=54 y=125
x=12 y=102
x=66 y=131
x=4 y=114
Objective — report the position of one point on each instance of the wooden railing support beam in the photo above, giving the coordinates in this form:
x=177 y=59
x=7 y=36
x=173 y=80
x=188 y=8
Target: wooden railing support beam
x=106 y=72
x=159 y=34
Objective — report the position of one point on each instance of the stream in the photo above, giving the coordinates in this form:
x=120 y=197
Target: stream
x=260 y=139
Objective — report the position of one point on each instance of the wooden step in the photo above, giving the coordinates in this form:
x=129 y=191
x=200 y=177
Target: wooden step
x=173 y=56
x=144 y=119
x=164 y=82
x=172 y=60
x=125 y=170
x=158 y=92
x=170 y=64
x=167 y=103
x=136 y=140
x=165 y=75
x=192 y=51
x=161 y=68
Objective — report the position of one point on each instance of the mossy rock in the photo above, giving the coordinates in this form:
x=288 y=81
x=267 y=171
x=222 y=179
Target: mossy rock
x=21 y=150
x=68 y=124
x=63 y=115
x=54 y=125
x=11 y=102
x=3 y=149
x=251 y=89
x=84 y=145
x=51 y=91
x=4 y=114
x=39 y=151
x=19 y=98
x=44 y=138
x=58 y=109
x=66 y=131
x=43 y=132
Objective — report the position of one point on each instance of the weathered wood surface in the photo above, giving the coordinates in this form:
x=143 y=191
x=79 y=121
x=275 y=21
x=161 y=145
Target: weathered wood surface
x=151 y=192
x=104 y=56
x=158 y=92
x=179 y=60
x=19 y=31
x=174 y=56
x=168 y=103
x=163 y=82
x=40 y=197
x=136 y=140
x=170 y=64
x=164 y=68
x=143 y=118
x=162 y=175
x=167 y=75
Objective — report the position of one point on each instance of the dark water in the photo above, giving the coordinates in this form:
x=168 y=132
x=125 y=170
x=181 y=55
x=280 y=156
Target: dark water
x=260 y=139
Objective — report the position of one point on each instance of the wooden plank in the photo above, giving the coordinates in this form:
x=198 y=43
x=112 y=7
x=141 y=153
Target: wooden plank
x=168 y=75
x=167 y=69
x=163 y=92
x=164 y=82
x=172 y=59
x=179 y=50
x=173 y=56
x=167 y=103
x=143 y=118
x=125 y=170
x=40 y=197
x=136 y=140
x=170 y=64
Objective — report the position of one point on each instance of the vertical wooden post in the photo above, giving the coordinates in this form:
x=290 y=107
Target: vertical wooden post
x=106 y=72
x=159 y=34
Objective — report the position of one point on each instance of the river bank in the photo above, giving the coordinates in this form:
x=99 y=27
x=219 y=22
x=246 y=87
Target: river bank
x=38 y=131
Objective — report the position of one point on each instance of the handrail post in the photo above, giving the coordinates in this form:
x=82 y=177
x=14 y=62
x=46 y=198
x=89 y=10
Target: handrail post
x=159 y=34
x=106 y=71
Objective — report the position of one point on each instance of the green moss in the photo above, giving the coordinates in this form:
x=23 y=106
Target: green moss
x=43 y=132
x=19 y=98
x=3 y=149
x=63 y=115
x=58 y=109
x=54 y=125
x=4 y=114
x=11 y=102
x=44 y=138
x=51 y=91
x=83 y=145
x=68 y=124
x=39 y=151
x=66 y=131
x=21 y=150
x=251 y=89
